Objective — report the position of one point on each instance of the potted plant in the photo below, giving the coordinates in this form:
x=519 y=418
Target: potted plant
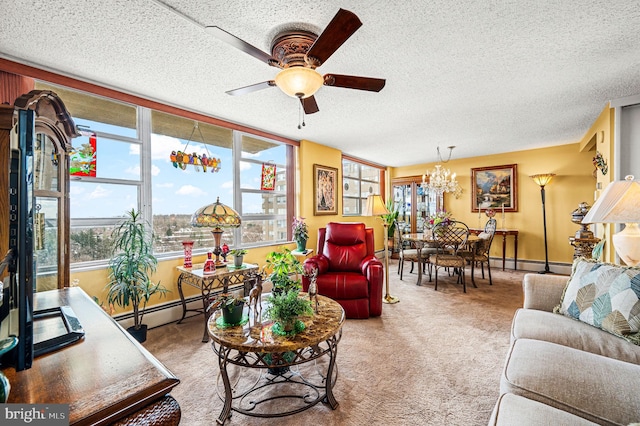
x=238 y=256
x=231 y=306
x=129 y=271
x=282 y=266
x=285 y=308
x=300 y=233
x=390 y=221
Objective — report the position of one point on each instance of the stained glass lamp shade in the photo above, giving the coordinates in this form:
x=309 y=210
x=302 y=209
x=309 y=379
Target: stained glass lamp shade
x=219 y=217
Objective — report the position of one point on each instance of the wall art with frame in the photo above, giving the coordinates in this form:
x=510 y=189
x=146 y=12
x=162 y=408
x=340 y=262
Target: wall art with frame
x=495 y=188
x=325 y=190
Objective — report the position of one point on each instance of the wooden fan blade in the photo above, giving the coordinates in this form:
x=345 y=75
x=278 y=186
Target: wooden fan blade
x=341 y=27
x=243 y=45
x=252 y=88
x=354 y=82
x=309 y=105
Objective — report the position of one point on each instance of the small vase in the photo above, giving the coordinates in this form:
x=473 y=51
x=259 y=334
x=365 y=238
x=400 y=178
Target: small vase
x=188 y=248
x=301 y=245
x=237 y=261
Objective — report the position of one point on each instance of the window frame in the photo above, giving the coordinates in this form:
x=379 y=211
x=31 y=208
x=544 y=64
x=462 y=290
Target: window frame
x=380 y=182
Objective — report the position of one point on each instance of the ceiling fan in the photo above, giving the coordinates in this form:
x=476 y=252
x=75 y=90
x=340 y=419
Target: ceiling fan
x=298 y=54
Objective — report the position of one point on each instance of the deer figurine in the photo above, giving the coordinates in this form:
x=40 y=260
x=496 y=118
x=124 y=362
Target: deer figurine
x=313 y=289
x=255 y=299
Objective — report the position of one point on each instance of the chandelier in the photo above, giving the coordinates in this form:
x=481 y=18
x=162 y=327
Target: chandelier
x=441 y=180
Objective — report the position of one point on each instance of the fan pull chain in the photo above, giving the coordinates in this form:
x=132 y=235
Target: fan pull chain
x=301 y=115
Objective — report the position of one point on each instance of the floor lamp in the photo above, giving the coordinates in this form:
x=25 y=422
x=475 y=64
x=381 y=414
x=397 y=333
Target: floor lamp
x=542 y=180
x=376 y=207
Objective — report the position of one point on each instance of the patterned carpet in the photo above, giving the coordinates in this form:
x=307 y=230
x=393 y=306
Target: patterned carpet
x=433 y=359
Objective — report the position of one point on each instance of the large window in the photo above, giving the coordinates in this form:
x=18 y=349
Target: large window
x=359 y=180
x=135 y=149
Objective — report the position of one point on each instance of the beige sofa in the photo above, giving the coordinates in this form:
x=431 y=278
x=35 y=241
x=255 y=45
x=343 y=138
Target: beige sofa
x=561 y=371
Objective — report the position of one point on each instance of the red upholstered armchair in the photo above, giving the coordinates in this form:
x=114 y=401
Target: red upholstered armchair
x=348 y=270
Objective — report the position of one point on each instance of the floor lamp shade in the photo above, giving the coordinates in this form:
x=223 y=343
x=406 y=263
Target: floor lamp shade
x=620 y=203
x=375 y=206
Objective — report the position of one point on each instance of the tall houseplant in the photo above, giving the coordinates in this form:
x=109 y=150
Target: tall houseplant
x=282 y=265
x=130 y=268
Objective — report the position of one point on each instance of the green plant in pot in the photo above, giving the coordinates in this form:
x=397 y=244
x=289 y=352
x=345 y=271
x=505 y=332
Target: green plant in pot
x=390 y=221
x=130 y=269
x=285 y=309
x=238 y=256
x=300 y=233
x=285 y=269
x=231 y=306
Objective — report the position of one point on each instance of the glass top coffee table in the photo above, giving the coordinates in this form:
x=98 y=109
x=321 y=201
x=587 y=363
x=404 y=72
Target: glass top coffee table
x=267 y=375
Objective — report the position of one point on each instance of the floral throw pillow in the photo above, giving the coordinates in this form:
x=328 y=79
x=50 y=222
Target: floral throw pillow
x=606 y=296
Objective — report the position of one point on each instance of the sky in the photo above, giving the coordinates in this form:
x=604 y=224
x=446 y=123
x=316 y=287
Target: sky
x=173 y=190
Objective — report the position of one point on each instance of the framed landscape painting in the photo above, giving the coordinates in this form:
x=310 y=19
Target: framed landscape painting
x=494 y=188
x=325 y=190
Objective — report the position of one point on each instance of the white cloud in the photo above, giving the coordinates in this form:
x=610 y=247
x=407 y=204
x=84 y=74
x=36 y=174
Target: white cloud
x=155 y=170
x=99 y=192
x=190 y=191
x=245 y=166
x=164 y=185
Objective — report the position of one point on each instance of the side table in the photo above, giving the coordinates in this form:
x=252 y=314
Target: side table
x=221 y=281
x=504 y=233
x=258 y=366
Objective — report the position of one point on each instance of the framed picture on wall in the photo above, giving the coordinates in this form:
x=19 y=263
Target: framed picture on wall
x=325 y=190
x=494 y=188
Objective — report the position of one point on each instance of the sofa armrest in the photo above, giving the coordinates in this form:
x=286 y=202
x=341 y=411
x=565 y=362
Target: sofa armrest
x=543 y=292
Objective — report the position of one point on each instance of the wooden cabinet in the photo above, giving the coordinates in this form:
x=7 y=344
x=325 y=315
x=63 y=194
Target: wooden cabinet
x=414 y=204
x=104 y=377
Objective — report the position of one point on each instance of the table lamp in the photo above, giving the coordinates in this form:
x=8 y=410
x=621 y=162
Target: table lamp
x=376 y=207
x=620 y=203
x=217 y=216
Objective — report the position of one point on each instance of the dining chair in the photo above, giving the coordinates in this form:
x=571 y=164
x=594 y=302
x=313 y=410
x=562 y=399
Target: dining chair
x=451 y=239
x=479 y=252
x=406 y=253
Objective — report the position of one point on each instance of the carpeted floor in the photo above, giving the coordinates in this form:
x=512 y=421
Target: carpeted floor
x=433 y=359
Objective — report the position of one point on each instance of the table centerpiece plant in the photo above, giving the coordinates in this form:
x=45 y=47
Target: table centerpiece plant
x=439 y=217
x=300 y=233
x=285 y=309
x=231 y=306
x=238 y=256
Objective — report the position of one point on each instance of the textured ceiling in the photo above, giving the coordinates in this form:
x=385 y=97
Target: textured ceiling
x=488 y=77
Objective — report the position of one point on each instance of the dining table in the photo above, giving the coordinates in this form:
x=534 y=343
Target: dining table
x=420 y=240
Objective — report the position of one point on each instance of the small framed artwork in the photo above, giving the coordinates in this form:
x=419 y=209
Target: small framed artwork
x=325 y=190
x=494 y=188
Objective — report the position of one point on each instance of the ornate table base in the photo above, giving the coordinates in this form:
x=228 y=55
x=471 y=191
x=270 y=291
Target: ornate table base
x=260 y=386
x=264 y=374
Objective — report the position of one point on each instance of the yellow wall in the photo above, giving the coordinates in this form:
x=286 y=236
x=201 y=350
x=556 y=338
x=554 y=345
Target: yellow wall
x=599 y=138
x=312 y=153
x=573 y=184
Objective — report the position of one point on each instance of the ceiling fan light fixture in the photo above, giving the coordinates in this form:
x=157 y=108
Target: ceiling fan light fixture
x=299 y=82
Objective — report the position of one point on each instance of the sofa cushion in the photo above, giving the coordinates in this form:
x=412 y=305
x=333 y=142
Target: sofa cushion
x=516 y=410
x=343 y=285
x=597 y=388
x=604 y=295
x=566 y=331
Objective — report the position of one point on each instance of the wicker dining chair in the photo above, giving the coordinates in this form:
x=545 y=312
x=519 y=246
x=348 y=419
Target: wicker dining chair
x=451 y=239
x=408 y=254
x=479 y=253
